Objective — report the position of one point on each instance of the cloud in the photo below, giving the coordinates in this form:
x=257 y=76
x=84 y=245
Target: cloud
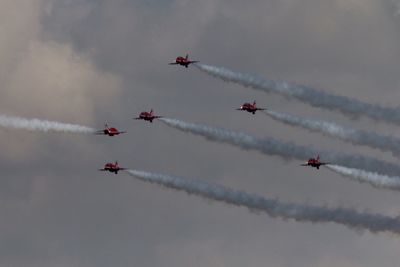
x=43 y=78
x=73 y=216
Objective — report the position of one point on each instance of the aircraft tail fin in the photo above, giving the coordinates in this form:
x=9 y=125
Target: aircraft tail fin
x=187 y=56
x=318 y=157
x=151 y=112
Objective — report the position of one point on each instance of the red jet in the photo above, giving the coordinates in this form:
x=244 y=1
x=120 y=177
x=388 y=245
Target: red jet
x=183 y=61
x=315 y=163
x=110 y=131
x=112 y=167
x=147 y=116
x=252 y=108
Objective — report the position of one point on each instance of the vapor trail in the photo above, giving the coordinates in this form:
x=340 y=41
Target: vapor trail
x=372 y=178
x=313 y=97
x=42 y=125
x=358 y=137
x=274 y=208
x=271 y=146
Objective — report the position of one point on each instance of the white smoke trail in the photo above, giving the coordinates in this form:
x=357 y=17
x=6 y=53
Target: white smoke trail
x=358 y=137
x=313 y=97
x=42 y=125
x=274 y=208
x=271 y=146
x=375 y=179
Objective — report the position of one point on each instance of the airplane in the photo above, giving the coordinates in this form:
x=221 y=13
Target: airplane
x=252 y=108
x=147 y=116
x=183 y=61
x=315 y=163
x=112 y=167
x=110 y=131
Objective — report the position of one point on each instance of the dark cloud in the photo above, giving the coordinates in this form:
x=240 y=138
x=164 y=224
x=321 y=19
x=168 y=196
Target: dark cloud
x=87 y=62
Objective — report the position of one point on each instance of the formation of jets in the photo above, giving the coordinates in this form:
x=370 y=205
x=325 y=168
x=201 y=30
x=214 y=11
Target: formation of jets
x=149 y=116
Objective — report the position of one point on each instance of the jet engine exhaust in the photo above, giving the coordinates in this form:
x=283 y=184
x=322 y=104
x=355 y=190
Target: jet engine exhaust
x=12 y=122
x=346 y=105
x=274 y=208
x=357 y=137
x=286 y=150
x=374 y=179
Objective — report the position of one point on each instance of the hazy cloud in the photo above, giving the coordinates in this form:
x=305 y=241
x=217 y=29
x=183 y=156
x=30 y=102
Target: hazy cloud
x=87 y=62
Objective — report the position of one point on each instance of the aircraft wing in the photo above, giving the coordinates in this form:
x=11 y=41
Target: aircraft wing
x=261 y=109
x=325 y=163
x=191 y=62
x=157 y=117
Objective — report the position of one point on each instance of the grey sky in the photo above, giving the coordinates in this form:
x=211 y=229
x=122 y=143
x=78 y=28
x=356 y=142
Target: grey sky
x=87 y=62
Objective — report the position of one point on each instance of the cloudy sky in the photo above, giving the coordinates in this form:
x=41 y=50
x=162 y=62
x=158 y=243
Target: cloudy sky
x=92 y=61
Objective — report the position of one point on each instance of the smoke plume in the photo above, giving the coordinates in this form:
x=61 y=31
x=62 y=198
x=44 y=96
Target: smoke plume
x=348 y=106
x=375 y=179
x=274 y=208
x=42 y=125
x=286 y=150
x=358 y=137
